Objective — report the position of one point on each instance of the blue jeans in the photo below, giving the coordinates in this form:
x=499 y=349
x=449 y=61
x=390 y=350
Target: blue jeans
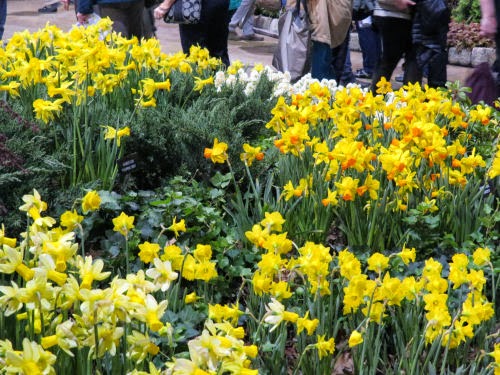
x=243 y=17
x=329 y=63
x=321 y=61
x=369 y=41
x=3 y=16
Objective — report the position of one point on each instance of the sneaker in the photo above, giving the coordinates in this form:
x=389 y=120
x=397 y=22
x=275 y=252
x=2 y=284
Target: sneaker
x=252 y=37
x=51 y=8
x=361 y=73
x=233 y=35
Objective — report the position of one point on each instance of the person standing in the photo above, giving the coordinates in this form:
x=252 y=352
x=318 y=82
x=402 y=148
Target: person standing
x=430 y=32
x=369 y=42
x=244 y=18
x=490 y=26
x=210 y=33
x=127 y=16
x=3 y=16
x=330 y=22
x=393 y=20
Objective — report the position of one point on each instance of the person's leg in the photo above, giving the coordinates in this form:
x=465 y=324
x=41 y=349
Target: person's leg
x=341 y=61
x=3 y=16
x=149 y=23
x=116 y=14
x=127 y=17
x=436 y=69
x=369 y=42
x=192 y=35
x=321 y=61
x=412 y=70
x=395 y=36
x=217 y=29
x=211 y=32
x=135 y=21
x=246 y=8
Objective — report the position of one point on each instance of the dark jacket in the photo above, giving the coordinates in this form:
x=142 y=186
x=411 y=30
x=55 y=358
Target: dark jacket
x=86 y=6
x=430 y=28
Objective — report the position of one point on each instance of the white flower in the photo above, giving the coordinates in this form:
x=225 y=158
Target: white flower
x=274 y=313
x=162 y=274
x=220 y=79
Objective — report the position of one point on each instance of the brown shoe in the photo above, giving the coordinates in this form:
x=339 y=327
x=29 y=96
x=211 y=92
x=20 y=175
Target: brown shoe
x=252 y=37
x=233 y=35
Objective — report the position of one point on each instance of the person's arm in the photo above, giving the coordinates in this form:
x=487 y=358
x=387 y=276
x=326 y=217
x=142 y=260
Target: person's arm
x=84 y=9
x=163 y=8
x=488 y=18
x=403 y=4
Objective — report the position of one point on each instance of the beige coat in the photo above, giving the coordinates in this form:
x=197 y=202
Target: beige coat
x=330 y=20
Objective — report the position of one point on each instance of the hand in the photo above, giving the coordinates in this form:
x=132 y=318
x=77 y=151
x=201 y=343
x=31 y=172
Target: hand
x=488 y=27
x=403 y=4
x=82 y=18
x=163 y=8
x=160 y=12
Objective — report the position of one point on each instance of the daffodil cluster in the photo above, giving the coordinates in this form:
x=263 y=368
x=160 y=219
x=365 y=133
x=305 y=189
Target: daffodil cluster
x=69 y=302
x=454 y=302
x=219 y=349
x=363 y=156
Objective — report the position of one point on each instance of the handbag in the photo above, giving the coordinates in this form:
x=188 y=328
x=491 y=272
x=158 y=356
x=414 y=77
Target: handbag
x=483 y=85
x=292 y=53
x=184 y=12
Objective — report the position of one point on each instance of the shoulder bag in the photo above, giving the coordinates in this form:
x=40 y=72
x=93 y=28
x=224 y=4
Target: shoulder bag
x=293 y=51
x=184 y=11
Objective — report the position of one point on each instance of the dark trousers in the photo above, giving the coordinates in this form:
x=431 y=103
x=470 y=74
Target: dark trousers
x=211 y=32
x=436 y=70
x=127 y=17
x=397 y=43
x=3 y=16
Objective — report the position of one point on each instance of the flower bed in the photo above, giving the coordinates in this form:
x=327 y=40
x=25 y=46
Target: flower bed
x=341 y=231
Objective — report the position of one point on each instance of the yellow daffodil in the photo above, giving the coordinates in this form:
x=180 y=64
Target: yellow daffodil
x=70 y=219
x=33 y=359
x=112 y=133
x=6 y=240
x=177 y=227
x=325 y=347
x=190 y=298
x=123 y=224
x=90 y=270
x=218 y=153
x=199 y=84
x=91 y=201
x=251 y=154
x=481 y=256
x=148 y=251
x=355 y=339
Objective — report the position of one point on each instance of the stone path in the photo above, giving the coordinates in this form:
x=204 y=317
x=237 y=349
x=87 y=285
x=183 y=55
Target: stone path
x=23 y=14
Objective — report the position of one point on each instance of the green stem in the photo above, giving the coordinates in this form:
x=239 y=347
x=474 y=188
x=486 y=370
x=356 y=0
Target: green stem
x=308 y=347
x=127 y=265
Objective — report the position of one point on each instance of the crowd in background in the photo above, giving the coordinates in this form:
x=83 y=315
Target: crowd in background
x=397 y=29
